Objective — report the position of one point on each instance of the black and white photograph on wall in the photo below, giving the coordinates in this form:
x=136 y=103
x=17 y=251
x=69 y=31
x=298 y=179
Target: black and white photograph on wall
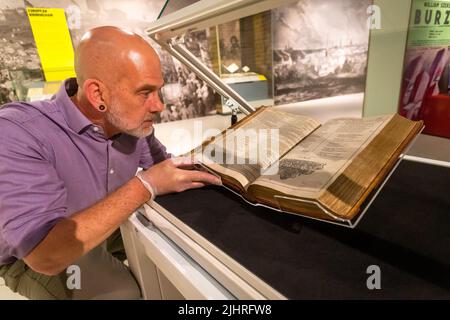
x=185 y=95
x=19 y=60
x=230 y=47
x=319 y=49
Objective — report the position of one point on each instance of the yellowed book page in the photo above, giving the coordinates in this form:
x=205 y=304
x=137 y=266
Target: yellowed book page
x=253 y=147
x=244 y=174
x=308 y=169
x=347 y=193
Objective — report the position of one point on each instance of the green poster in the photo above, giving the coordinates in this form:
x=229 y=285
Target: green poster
x=430 y=23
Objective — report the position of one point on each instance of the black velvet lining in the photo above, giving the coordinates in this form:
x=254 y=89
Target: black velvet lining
x=406 y=232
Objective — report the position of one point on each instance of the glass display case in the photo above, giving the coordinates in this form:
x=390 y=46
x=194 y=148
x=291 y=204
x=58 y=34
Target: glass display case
x=294 y=55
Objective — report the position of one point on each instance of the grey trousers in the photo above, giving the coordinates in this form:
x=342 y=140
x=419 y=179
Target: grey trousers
x=100 y=274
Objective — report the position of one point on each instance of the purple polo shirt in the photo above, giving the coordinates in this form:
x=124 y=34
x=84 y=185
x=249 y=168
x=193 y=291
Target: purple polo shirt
x=55 y=162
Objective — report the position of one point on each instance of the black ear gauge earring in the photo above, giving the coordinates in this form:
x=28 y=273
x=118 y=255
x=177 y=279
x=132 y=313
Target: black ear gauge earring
x=101 y=107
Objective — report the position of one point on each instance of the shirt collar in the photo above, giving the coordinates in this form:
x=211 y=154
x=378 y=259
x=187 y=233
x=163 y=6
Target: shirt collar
x=76 y=120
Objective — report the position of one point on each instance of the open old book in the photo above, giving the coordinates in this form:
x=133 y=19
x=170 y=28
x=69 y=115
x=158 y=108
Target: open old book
x=324 y=171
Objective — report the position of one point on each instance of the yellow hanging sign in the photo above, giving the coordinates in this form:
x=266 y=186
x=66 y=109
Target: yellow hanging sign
x=53 y=42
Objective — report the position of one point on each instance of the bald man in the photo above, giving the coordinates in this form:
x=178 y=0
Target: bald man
x=67 y=172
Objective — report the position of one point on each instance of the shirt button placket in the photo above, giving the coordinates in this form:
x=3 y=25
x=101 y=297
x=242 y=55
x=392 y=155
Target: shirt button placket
x=111 y=169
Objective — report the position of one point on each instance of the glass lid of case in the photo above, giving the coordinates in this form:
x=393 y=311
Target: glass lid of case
x=270 y=52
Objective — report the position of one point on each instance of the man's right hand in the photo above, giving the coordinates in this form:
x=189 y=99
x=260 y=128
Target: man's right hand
x=168 y=176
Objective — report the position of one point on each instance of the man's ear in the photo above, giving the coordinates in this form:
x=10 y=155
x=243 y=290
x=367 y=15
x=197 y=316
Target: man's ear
x=96 y=93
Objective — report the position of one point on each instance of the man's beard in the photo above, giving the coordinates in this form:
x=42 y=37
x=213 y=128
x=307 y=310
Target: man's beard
x=114 y=118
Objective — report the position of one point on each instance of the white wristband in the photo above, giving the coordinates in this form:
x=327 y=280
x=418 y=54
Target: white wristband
x=147 y=185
